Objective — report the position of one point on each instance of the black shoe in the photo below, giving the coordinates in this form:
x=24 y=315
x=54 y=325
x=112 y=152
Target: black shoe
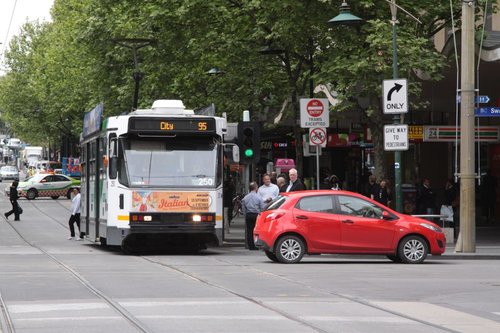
x=6 y=216
x=17 y=220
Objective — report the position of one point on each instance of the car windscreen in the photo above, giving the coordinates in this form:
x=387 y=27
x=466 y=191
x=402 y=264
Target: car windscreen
x=276 y=203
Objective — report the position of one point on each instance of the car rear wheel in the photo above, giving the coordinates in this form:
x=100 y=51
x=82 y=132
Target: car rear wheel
x=68 y=194
x=55 y=197
x=413 y=250
x=31 y=194
x=290 y=249
x=271 y=255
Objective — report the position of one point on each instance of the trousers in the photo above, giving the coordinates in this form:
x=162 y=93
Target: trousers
x=72 y=219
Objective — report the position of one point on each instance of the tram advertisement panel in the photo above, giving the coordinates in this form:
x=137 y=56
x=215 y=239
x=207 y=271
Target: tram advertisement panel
x=148 y=201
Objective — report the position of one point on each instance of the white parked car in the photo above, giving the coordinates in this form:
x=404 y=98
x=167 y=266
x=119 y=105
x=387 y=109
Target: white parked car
x=9 y=172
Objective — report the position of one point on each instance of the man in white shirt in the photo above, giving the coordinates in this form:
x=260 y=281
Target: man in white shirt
x=268 y=191
x=75 y=215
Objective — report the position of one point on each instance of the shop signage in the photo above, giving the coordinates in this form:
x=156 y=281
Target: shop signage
x=452 y=133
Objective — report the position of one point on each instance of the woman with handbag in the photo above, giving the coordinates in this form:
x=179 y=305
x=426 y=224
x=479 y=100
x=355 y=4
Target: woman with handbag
x=13 y=196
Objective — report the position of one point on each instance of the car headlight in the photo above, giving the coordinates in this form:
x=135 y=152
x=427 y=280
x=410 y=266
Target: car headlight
x=432 y=227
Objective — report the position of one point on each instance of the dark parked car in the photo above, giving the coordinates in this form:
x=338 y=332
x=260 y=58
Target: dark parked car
x=342 y=222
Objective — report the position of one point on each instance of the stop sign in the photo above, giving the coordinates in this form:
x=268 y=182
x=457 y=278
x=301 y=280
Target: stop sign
x=315 y=108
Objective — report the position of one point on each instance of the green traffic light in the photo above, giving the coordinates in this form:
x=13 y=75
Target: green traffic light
x=248 y=152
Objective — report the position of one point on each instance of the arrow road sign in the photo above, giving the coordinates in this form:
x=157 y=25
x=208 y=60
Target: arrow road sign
x=395 y=95
x=397 y=87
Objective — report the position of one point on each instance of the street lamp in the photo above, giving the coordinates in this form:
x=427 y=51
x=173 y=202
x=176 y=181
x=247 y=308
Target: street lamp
x=345 y=17
x=135 y=44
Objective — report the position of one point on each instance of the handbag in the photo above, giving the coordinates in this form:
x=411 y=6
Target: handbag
x=19 y=209
x=448 y=212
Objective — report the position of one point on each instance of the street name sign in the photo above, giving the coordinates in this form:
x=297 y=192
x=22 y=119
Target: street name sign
x=395 y=137
x=314 y=112
x=481 y=99
x=487 y=112
x=317 y=136
x=395 y=96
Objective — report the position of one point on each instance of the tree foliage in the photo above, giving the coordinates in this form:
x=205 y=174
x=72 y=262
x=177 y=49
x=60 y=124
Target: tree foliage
x=59 y=70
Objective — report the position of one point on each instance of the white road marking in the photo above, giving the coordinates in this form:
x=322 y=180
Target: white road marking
x=30 y=308
x=442 y=316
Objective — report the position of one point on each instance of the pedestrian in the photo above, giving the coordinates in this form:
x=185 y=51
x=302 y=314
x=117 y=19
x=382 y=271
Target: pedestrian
x=13 y=196
x=294 y=184
x=281 y=182
x=371 y=187
x=489 y=196
x=268 y=191
x=274 y=177
x=449 y=207
x=252 y=204
x=75 y=215
x=229 y=191
x=426 y=199
x=382 y=193
x=334 y=183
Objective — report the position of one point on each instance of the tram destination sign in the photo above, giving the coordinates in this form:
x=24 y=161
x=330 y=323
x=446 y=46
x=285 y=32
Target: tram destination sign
x=171 y=125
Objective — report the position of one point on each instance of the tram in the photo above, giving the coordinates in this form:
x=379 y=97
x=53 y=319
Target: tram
x=152 y=175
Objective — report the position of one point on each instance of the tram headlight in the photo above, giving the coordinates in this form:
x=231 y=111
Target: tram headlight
x=196 y=218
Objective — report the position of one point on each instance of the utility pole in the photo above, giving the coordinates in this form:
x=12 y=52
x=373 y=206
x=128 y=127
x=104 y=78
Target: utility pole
x=467 y=237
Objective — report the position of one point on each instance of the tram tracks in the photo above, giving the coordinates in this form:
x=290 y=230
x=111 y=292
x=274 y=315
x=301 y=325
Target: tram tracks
x=285 y=314
x=141 y=327
x=130 y=318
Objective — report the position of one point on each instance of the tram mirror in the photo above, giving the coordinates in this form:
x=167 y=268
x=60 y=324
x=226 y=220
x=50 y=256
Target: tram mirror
x=236 y=153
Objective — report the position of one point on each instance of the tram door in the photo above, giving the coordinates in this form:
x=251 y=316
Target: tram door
x=90 y=190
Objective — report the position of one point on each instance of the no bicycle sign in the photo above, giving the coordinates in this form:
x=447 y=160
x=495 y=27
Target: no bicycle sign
x=314 y=112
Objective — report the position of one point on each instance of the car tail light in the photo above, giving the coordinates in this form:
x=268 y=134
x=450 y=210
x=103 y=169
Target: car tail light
x=274 y=216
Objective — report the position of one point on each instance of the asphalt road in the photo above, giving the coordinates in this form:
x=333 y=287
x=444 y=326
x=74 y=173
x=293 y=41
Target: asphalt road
x=51 y=284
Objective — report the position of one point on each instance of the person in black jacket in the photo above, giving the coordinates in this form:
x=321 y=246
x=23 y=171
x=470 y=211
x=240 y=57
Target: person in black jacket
x=13 y=196
x=294 y=184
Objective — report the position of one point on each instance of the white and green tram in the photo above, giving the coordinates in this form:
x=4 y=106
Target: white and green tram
x=152 y=175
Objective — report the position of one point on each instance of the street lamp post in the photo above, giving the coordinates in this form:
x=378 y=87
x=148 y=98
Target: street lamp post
x=397 y=117
x=467 y=238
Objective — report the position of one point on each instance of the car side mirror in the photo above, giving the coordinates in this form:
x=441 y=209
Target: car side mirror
x=386 y=215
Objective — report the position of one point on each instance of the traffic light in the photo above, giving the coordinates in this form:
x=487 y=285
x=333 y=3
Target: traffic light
x=249 y=142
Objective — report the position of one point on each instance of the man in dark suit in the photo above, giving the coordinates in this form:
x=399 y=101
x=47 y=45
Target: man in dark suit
x=294 y=184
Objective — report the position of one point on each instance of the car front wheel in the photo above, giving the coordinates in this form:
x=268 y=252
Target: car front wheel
x=413 y=250
x=289 y=249
x=31 y=194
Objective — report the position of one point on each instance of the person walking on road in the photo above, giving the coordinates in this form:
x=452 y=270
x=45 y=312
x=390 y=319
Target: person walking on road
x=252 y=204
x=294 y=184
x=382 y=194
x=75 y=215
x=13 y=196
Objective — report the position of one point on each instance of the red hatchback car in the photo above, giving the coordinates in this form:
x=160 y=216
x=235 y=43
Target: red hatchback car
x=342 y=222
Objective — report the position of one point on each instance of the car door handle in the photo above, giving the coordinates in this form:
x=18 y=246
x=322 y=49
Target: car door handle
x=348 y=221
x=301 y=217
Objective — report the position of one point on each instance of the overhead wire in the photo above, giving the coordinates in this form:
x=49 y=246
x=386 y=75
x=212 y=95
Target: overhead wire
x=456 y=174
x=4 y=45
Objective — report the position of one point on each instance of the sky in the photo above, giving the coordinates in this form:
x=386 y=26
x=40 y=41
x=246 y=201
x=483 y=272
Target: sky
x=16 y=12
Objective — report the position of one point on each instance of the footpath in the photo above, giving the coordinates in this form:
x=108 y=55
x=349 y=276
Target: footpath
x=487 y=241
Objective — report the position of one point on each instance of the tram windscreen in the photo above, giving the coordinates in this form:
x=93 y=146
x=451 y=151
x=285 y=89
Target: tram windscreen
x=178 y=162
